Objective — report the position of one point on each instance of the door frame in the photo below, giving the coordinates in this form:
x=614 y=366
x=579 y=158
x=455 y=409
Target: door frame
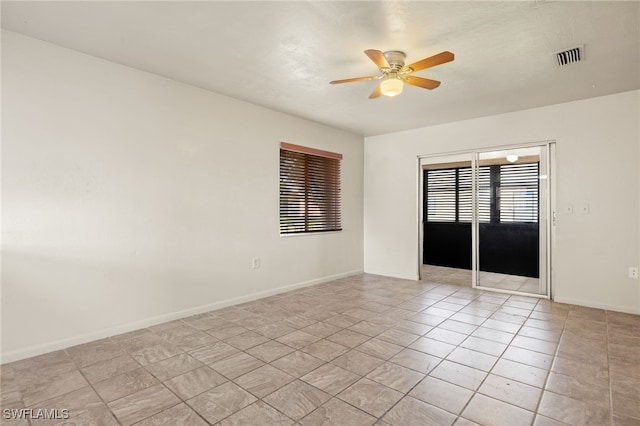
x=471 y=155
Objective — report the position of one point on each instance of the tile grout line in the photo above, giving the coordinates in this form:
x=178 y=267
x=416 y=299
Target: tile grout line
x=553 y=360
x=476 y=391
x=606 y=313
x=180 y=400
x=91 y=384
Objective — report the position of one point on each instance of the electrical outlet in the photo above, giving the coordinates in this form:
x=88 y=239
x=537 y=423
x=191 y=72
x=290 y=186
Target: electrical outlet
x=633 y=272
x=255 y=263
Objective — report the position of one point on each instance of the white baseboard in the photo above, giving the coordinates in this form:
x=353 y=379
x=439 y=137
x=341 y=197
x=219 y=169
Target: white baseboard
x=590 y=304
x=400 y=276
x=35 y=350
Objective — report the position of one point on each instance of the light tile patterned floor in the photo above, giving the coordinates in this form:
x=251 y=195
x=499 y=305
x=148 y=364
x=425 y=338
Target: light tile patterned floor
x=445 y=275
x=361 y=350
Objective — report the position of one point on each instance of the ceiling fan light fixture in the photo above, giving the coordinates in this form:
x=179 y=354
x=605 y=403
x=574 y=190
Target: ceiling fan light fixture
x=394 y=73
x=392 y=86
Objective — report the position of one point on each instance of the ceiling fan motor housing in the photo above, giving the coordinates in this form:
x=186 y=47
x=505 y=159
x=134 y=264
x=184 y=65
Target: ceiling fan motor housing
x=395 y=58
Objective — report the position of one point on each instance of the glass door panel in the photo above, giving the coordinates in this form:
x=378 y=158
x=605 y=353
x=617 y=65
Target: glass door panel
x=446 y=219
x=511 y=225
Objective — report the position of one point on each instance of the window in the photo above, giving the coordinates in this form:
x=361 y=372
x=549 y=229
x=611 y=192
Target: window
x=448 y=195
x=484 y=194
x=441 y=195
x=518 y=192
x=309 y=190
x=506 y=193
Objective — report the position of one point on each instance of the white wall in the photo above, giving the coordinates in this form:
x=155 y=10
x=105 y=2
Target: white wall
x=598 y=163
x=130 y=199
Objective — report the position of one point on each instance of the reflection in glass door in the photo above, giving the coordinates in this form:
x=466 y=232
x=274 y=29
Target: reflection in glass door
x=511 y=220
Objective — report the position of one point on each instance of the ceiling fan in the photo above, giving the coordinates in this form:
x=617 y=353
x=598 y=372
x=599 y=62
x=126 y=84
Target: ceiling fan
x=394 y=73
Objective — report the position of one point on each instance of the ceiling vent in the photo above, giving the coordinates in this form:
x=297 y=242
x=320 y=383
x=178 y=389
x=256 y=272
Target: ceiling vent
x=570 y=56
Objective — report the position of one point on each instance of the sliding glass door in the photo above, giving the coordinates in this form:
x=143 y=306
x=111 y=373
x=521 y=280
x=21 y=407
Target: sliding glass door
x=511 y=226
x=485 y=216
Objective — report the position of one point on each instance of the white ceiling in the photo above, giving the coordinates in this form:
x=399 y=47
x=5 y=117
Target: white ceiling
x=282 y=55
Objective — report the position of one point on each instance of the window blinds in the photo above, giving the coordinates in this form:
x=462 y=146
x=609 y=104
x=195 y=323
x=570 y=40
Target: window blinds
x=309 y=190
x=511 y=190
x=519 y=192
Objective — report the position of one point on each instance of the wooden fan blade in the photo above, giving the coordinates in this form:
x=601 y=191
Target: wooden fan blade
x=432 y=61
x=376 y=92
x=425 y=83
x=377 y=57
x=351 y=80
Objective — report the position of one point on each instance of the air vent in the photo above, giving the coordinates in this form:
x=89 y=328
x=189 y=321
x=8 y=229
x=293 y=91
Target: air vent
x=570 y=56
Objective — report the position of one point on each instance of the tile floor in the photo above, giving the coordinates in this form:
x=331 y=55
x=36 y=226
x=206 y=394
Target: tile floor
x=361 y=350
x=445 y=275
